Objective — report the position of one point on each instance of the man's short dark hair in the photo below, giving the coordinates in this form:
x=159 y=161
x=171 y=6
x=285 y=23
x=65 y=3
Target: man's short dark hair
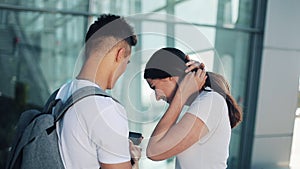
x=111 y=25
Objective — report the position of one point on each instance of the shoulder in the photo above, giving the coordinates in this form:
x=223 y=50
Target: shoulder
x=108 y=102
x=211 y=97
x=99 y=113
x=101 y=104
x=210 y=107
x=207 y=104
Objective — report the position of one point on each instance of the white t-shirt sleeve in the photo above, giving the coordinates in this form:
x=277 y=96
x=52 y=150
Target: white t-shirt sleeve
x=110 y=134
x=208 y=107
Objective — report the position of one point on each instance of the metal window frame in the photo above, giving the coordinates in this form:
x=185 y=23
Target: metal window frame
x=88 y=14
x=252 y=88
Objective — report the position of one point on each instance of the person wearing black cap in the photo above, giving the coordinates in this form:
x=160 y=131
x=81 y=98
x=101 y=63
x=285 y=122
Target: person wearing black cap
x=200 y=139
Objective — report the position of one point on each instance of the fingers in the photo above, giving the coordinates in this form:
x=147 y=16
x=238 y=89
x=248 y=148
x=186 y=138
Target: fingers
x=187 y=57
x=192 y=64
x=130 y=143
x=202 y=66
x=135 y=151
x=195 y=64
x=202 y=76
x=199 y=76
x=193 y=82
x=201 y=73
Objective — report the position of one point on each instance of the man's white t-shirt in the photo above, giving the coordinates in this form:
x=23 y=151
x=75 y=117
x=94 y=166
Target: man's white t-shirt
x=211 y=151
x=93 y=130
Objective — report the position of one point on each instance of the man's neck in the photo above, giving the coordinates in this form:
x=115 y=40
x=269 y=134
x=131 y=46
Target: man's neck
x=98 y=70
x=100 y=79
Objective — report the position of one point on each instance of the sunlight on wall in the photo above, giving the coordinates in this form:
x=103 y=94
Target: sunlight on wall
x=295 y=152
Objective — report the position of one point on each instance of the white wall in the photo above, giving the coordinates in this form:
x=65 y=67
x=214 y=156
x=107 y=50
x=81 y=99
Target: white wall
x=277 y=99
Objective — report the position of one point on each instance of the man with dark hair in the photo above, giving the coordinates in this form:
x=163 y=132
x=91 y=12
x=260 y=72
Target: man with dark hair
x=108 y=26
x=94 y=131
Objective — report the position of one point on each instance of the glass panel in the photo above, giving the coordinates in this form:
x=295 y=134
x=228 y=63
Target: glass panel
x=221 y=12
x=234 y=56
x=233 y=65
x=74 y=5
x=235 y=12
x=149 y=6
x=197 y=42
x=120 y=7
x=40 y=56
x=198 y=11
x=47 y=47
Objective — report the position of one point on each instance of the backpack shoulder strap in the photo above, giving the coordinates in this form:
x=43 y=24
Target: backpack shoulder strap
x=78 y=95
x=50 y=102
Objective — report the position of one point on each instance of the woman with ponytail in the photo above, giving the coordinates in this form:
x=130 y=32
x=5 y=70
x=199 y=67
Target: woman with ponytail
x=200 y=139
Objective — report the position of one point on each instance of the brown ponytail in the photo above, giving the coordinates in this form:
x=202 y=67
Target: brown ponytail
x=234 y=111
x=221 y=86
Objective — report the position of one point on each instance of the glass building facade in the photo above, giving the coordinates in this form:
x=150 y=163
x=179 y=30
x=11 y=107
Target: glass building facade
x=41 y=42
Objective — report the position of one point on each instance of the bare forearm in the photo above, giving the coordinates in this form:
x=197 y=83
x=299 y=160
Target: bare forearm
x=157 y=144
x=168 y=134
x=169 y=118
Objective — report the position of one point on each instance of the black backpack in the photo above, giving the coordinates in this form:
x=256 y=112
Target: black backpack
x=36 y=142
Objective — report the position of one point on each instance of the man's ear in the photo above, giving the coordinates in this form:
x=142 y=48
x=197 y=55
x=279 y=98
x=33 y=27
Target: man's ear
x=121 y=54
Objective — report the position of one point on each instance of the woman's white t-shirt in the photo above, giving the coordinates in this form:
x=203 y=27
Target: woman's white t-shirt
x=93 y=130
x=212 y=150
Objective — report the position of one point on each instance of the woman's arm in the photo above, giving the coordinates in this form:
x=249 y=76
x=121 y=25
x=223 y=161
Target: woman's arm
x=168 y=138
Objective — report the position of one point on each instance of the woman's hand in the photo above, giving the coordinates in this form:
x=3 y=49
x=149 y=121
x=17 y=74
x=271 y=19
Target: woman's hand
x=192 y=83
x=193 y=64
